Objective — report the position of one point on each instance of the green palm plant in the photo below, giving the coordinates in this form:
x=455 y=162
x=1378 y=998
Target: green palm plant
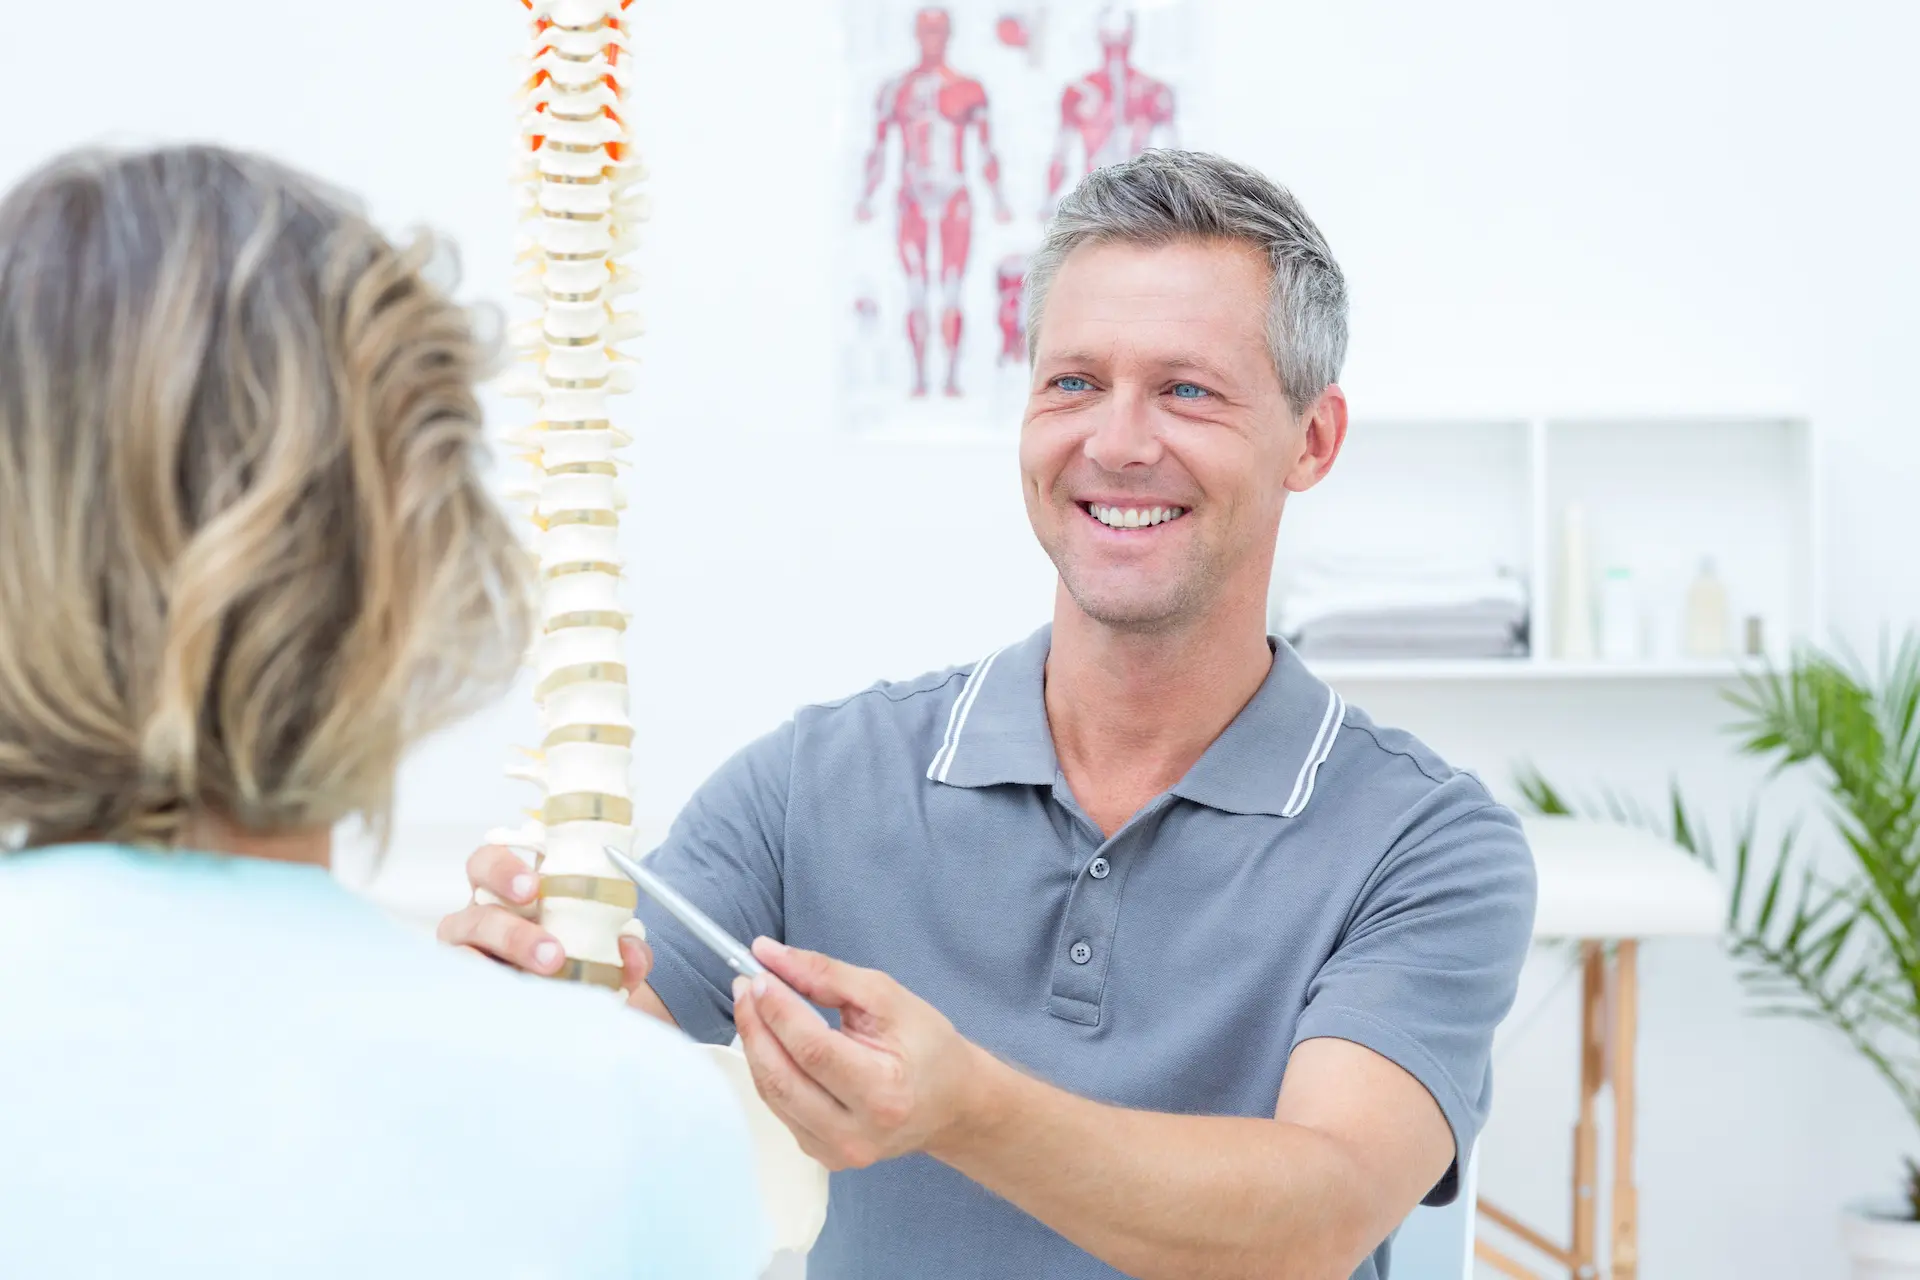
x=1840 y=949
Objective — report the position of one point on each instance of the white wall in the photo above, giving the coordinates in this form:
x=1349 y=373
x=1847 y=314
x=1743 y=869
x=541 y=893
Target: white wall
x=1691 y=204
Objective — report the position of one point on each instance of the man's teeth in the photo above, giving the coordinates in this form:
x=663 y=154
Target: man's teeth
x=1134 y=517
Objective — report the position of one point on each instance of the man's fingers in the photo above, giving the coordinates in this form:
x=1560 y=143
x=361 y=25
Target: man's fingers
x=504 y=936
x=797 y=1100
x=839 y=1065
x=824 y=980
x=636 y=961
x=504 y=874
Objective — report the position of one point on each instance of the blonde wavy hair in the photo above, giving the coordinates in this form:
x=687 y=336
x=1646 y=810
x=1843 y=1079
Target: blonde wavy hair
x=246 y=554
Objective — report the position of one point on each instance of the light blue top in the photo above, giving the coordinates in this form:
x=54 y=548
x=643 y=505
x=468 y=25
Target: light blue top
x=217 y=1067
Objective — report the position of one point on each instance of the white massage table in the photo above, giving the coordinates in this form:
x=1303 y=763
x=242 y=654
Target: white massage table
x=1606 y=888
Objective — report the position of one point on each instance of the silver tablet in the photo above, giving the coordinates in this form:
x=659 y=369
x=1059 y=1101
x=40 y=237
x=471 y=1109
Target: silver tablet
x=698 y=923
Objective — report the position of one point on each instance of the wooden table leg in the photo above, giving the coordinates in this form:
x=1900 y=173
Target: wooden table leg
x=1501 y=1218
x=1586 y=1137
x=1625 y=1245
x=1501 y=1262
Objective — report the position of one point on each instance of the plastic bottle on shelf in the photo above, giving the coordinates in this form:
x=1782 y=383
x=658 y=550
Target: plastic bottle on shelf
x=1573 y=598
x=1619 y=617
x=1706 y=615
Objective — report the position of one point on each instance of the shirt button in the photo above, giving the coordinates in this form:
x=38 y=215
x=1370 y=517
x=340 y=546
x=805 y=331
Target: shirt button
x=1080 y=952
x=1098 y=868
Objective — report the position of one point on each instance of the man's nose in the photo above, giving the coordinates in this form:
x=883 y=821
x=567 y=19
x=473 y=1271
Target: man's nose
x=1124 y=435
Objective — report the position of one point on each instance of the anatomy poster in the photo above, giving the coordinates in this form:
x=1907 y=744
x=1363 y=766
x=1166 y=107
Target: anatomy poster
x=964 y=124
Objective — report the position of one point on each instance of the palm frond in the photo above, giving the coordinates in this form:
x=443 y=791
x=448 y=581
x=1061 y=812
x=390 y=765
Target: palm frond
x=1540 y=794
x=1843 y=953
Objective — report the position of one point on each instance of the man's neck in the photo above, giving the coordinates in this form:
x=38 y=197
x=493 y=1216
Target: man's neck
x=1135 y=711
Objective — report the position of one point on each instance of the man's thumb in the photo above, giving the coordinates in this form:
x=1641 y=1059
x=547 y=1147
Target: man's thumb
x=636 y=956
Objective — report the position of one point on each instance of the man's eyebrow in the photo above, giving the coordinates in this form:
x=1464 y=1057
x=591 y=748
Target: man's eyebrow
x=1069 y=357
x=1192 y=363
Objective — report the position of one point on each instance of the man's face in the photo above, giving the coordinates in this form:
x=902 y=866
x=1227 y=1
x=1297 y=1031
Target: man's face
x=1155 y=407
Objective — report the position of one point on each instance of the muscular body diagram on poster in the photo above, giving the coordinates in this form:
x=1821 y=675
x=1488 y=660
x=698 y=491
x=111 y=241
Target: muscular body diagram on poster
x=966 y=126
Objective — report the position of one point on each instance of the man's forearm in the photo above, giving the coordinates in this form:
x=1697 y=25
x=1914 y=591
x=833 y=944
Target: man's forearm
x=646 y=1001
x=1163 y=1195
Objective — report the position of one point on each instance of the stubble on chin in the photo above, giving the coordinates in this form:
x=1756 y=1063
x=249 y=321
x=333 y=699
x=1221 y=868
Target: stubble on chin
x=1140 y=608
x=1136 y=608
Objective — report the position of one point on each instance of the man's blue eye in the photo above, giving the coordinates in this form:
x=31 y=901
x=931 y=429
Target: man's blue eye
x=1188 y=391
x=1072 y=382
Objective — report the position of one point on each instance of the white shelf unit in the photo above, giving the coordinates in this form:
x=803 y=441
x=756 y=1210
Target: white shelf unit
x=1661 y=493
x=1347 y=670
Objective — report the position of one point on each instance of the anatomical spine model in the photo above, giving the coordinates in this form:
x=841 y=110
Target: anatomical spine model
x=579 y=207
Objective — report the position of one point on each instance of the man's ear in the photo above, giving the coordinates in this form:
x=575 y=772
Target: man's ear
x=1325 y=426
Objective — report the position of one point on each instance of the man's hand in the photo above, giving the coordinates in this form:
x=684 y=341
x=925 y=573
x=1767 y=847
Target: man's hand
x=504 y=930
x=895 y=1078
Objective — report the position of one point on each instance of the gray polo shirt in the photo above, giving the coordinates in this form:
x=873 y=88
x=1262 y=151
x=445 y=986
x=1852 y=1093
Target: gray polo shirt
x=1313 y=875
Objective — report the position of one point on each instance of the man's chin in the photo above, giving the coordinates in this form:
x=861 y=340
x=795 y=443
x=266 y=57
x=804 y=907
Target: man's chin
x=1135 y=613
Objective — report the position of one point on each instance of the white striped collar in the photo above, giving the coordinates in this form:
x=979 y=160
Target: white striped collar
x=996 y=730
x=1268 y=760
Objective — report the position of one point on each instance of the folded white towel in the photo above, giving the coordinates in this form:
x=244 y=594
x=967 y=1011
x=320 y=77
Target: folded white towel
x=1413 y=606
x=1411 y=648
x=1487 y=594
x=1480 y=616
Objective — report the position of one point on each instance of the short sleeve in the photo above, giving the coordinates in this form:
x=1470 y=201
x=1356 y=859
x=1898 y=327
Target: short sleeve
x=724 y=854
x=1429 y=965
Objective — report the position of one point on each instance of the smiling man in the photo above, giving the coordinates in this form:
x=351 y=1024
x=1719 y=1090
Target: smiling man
x=1149 y=955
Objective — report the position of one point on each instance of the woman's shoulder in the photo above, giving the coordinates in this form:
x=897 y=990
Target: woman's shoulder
x=276 y=1013
x=557 y=1075
x=265 y=950
x=559 y=1026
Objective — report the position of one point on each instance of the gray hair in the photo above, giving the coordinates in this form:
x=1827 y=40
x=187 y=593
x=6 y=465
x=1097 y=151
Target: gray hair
x=1164 y=196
